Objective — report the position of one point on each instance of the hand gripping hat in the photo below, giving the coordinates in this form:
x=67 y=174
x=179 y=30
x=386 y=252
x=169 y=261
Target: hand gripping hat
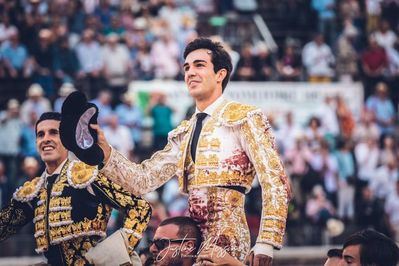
x=75 y=132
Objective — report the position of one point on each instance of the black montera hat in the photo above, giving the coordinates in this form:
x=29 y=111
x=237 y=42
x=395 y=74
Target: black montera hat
x=75 y=132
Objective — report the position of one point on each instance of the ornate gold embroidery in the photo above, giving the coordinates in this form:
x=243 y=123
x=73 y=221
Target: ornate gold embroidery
x=29 y=190
x=80 y=174
x=210 y=161
x=236 y=111
x=204 y=178
x=270 y=172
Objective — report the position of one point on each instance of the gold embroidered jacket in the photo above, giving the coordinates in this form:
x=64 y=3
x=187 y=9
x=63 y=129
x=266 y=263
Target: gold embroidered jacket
x=76 y=214
x=235 y=144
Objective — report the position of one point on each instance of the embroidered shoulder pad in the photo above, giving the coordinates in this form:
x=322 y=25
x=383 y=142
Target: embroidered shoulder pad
x=183 y=127
x=236 y=113
x=81 y=175
x=28 y=190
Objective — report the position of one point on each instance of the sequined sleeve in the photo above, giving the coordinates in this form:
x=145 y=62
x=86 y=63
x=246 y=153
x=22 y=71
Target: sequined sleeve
x=147 y=176
x=259 y=144
x=137 y=211
x=13 y=217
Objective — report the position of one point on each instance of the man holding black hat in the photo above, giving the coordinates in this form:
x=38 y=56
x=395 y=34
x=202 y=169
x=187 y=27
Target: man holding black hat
x=70 y=205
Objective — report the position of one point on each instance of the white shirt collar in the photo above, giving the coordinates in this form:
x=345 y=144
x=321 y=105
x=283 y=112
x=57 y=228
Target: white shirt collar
x=57 y=171
x=211 y=108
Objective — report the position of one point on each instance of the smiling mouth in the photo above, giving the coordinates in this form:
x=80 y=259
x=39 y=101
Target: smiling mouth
x=48 y=148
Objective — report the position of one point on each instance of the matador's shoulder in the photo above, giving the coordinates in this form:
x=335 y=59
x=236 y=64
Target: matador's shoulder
x=236 y=113
x=81 y=175
x=29 y=190
x=180 y=129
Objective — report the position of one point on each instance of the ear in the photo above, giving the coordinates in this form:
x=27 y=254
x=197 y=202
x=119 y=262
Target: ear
x=221 y=74
x=188 y=247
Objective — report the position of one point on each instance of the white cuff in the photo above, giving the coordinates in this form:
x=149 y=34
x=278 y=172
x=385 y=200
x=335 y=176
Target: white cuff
x=262 y=248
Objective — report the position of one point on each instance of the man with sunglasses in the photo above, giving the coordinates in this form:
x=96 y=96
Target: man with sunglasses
x=176 y=242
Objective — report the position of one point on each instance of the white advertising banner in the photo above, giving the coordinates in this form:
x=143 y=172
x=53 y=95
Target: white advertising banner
x=275 y=98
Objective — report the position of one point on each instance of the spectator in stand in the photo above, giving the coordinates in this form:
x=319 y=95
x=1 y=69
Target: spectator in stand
x=28 y=137
x=366 y=128
x=330 y=123
x=165 y=56
x=367 y=154
x=388 y=149
x=345 y=118
x=119 y=136
x=289 y=65
x=115 y=27
x=65 y=90
x=383 y=182
x=117 y=66
x=329 y=172
x=347 y=56
x=10 y=132
x=296 y=163
x=6 y=28
x=30 y=169
x=103 y=102
x=91 y=61
x=374 y=63
x=103 y=12
x=373 y=12
x=346 y=180
x=246 y=66
x=263 y=63
x=131 y=116
x=287 y=133
x=35 y=102
x=15 y=57
x=161 y=114
x=318 y=60
x=391 y=211
x=318 y=208
x=384 y=36
x=143 y=65
x=382 y=107
x=369 y=210
x=326 y=17
x=68 y=64
x=314 y=132
x=45 y=62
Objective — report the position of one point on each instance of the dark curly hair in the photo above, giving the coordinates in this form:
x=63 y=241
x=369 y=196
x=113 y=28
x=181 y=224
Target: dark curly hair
x=220 y=58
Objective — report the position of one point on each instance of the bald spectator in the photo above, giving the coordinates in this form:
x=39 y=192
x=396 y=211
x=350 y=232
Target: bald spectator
x=36 y=102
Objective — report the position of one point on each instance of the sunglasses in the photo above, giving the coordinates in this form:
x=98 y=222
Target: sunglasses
x=165 y=242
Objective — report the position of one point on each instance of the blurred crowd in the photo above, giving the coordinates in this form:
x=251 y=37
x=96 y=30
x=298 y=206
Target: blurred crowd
x=341 y=167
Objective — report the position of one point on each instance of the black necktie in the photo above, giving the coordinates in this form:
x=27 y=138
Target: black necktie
x=197 y=131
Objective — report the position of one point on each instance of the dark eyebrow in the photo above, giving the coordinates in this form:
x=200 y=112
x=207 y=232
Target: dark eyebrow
x=348 y=257
x=195 y=62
